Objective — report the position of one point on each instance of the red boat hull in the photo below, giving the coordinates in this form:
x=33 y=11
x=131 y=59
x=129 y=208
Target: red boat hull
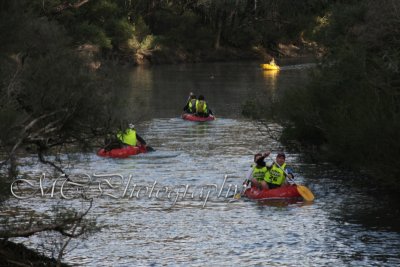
x=122 y=152
x=289 y=191
x=192 y=117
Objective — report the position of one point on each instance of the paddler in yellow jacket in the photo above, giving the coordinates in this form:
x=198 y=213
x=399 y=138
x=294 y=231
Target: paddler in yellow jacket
x=276 y=175
x=190 y=106
x=258 y=171
x=202 y=109
x=130 y=137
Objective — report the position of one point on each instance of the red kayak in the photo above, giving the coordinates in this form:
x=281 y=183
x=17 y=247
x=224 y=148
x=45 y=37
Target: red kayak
x=289 y=191
x=122 y=152
x=192 y=117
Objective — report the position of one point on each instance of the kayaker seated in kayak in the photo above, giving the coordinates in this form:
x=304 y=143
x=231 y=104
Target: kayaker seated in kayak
x=258 y=171
x=191 y=104
x=123 y=138
x=202 y=109
x=130 y=137
x=275 y=176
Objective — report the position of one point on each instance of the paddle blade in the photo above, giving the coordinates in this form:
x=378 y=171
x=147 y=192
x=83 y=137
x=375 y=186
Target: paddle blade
x=246 y=185
x=237 y=196
x=305 y=193
x=150 y=149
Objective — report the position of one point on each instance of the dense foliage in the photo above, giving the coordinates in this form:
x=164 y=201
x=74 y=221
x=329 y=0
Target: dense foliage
x=50 y=97
x=171 y=30
x=351 y=108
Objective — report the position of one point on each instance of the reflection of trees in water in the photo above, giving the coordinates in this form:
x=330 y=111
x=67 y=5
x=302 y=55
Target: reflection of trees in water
x=226 y=86
x=141 y=95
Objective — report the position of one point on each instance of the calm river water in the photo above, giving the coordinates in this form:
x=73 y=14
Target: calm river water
x=344 y=226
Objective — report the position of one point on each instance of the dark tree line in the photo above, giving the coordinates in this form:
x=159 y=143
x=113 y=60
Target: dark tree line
x=51 y=97
x=351 y=108
x=193 y=28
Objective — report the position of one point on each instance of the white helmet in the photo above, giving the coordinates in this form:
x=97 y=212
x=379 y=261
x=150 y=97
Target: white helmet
x=131 y=126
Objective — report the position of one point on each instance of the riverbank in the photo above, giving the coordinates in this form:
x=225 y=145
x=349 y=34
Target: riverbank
x=175 y=55
x=223 y=54
x=12 y=254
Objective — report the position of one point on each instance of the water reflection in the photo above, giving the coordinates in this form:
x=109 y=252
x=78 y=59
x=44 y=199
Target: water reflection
x=163 y=90
x=270 y=74
x=281 y=202
x=199 y=130
x=271 y=77
x=142 y=77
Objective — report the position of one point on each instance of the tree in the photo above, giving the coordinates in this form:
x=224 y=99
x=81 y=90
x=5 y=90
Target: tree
x=50 y=96
x=51 y=100
x=351 y=106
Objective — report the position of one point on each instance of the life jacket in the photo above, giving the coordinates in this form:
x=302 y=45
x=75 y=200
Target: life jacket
x=276 y=175
x=128 y=137
x=201 y=106
x=192 y=105
x=259 y=173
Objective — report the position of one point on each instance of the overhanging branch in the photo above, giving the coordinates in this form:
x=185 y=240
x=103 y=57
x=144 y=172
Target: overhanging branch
x=62 y=227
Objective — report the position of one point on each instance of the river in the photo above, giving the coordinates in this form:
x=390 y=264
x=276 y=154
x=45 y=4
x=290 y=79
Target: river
x=344 y=226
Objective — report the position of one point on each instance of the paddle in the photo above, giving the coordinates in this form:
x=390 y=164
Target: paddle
x=239 y=195
x=303 y=190
x=146 y=148
x=149 y=149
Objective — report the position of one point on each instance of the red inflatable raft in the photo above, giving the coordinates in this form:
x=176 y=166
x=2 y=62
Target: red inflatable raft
x=289 y=191
x=122 y=152
x=192 y=117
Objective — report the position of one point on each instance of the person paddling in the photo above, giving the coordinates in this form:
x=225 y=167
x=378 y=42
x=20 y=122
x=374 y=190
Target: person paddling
x=202 y=109
x=190 y=106
x=276 y=175
x=256 y=175
x=130 y=137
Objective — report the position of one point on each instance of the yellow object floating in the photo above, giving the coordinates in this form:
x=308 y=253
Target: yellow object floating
x=270 y=66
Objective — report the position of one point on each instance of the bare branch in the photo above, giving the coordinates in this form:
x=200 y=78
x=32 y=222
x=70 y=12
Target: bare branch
x=61 y=227
x=26 y=128
x=45 y=161
x=19 y=58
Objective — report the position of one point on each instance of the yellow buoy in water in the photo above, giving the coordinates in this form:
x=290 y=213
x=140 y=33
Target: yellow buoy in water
x=270 y=66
